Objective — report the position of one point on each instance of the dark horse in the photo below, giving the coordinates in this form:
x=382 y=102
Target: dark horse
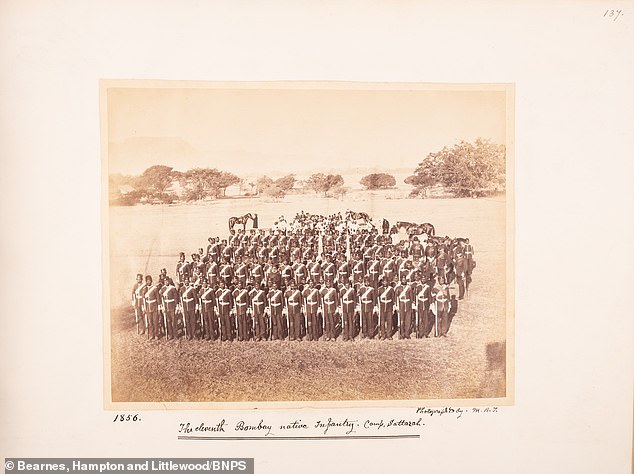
x=243 y=220
x=427 y=228
x=413 y=229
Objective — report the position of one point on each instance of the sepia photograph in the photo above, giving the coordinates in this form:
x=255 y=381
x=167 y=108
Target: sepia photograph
x=257 y=233
x=305 y=243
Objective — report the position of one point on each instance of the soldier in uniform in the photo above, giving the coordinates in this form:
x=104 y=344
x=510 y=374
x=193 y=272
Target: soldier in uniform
x=239 y=251
x=442 y=298
x=296 y=255
x=163 y=276
x=252 y=251
x=274 y=277
x=300 y=271
x=286 y=272
x=207 y=311
x=367 y=306
x=358 y=273
x=212 y=253
x=442 y=263
x=227 y=251
x=404 y=269
x=386 y=310
x=241 y=304
x=461 y=272
x=276 y=305
x=348 y=299
x=189 y=300
x=311 y=310
x=263 y=253
x=226 y=272
x=329 y=271
x=274 y=255
x=199 y=261
x=343 y=271
x=224 y=300
x=169 y=296
x=213 y=273
x=182 y=268
x=423 y=302
x=294 y=299
x=257 y=274
x=258 y=299
x=388 y=269
x=242 y=272
x=468 y=252
x=138 y=291
x=416 y=249
x=374 y=270
x=330 y=302
x=151 y=303
x=405 y=298
x=315 y=272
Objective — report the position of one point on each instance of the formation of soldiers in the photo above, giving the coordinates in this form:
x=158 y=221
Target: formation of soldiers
x=314 y=278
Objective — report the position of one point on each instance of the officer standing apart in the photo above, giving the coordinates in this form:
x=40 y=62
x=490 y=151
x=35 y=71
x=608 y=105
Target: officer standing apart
x=138 y=291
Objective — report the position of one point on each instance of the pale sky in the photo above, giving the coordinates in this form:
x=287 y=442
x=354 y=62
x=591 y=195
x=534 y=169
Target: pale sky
x=279 y=131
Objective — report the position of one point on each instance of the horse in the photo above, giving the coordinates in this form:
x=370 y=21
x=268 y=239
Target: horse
x=425 y=228
x=243 y=220
x=355 y=226
x=355 y=216
x=428 y=229
x=402 y=225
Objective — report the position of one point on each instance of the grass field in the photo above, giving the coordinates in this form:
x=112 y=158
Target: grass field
x=469 y=363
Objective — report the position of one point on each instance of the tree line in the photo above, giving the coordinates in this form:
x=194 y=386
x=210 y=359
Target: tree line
x=161 y=184
x=466 y=169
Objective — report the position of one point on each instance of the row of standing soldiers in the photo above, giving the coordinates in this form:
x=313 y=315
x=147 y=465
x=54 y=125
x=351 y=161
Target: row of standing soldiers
x=276 y=286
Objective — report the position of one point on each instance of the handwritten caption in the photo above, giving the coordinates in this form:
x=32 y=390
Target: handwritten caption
x=330 y=425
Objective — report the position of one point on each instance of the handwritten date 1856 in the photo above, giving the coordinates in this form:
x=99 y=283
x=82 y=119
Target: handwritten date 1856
x=128 y=417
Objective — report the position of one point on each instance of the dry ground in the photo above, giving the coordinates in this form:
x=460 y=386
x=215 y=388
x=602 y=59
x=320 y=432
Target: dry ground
x=469 y=363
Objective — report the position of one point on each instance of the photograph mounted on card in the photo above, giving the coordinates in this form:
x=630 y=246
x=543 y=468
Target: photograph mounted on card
x=307 y=244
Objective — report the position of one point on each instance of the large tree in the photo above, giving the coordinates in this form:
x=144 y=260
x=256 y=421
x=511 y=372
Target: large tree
x=200 y=183
x=378 y=181
x=466 y=169
x=225 y=180
x=262 y=183
x=286 y=183
x=155 y=181
x=275 y=188
x=322 y=183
